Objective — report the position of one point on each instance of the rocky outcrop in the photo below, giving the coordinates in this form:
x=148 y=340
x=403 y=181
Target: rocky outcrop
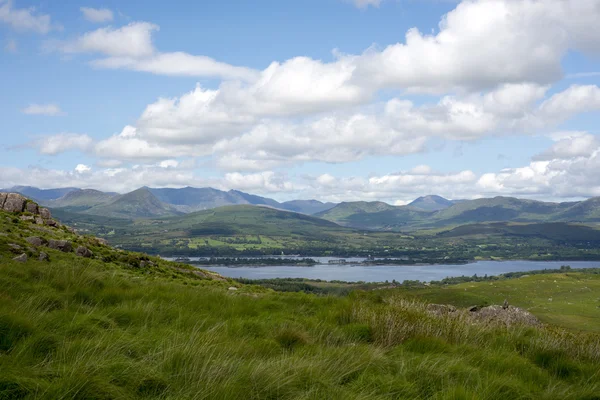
x=505 y=314
x=36 y=241
x=32 y=207
x=83 y=251
x=22 y=258
x=440 y=309
x=45 y=213
x=17 y=203
x=63 y=245
x=14 y=202
x=43 y=256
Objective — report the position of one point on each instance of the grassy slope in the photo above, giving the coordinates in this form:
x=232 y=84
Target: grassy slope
x=140 y=203
x=94 y=329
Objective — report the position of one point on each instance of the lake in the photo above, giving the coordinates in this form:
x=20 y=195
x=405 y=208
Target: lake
x=381 y=273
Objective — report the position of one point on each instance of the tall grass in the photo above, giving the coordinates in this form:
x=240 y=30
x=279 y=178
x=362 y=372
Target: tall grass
x=78 y=329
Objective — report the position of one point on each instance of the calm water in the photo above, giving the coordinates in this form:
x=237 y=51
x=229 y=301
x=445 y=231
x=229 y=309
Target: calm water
x=381 y=273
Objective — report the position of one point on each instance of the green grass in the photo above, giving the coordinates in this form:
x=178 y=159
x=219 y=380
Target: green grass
x=108 y=327
x=571 y=300
x=75 y=330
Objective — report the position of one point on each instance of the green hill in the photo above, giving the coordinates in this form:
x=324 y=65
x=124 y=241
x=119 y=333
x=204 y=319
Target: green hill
x=431 y=203
x=140 y=203
x=119 y=325
x=381 y=216
x=82 y=200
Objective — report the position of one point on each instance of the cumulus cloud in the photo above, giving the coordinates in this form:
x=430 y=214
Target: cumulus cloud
x=97 y=15
x=50 y=110
x=134 y=40
x=131 y=47
x=56 y=144
x=25 y=19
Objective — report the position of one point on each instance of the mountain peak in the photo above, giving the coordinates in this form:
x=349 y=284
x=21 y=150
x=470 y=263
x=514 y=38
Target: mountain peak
x=431 y=202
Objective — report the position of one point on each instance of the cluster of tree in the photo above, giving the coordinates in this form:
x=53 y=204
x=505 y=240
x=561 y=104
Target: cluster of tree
x=254 y=261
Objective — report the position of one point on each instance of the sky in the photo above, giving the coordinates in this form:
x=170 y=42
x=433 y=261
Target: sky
x=336 y=100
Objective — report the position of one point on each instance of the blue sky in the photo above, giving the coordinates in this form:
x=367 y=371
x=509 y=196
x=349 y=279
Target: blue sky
x=335 y=100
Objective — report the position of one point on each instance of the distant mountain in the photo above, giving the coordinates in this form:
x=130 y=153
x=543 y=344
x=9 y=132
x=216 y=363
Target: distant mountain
x=196 y=199
x=81 y=200
x=191 y=199
x=40 y=195
x=140 y=203
x=374 y=215
x=381 y=216
x=431 y=203
x=249 y=220
x=309 y=207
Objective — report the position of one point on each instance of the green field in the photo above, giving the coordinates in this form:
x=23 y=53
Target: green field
x=114 y=327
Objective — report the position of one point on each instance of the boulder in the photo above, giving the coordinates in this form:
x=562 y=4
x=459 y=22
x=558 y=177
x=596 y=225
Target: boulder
x=39 y=221
x=36 y=241
x=440 y=309
x=233 y=289
x=32 y=208
x=509 y=315
x=22 y=258
x=102 y=241
x=51 y=222
x=63 y=245
x=14 y=203
x=45 y=213
x=43 y=256
x=83 y=251
x=26 y=217
x=2 y=200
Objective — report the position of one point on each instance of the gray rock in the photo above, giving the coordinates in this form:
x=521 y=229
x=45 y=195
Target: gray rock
x=83 y=251
x=36 y=241
x=32 y=208
x=22 y=258
x=45 y=213
x=509 y=316
x=233 y=289
x=51 y=222
x=2 y=200
x=440 y=309
x=15 y=246
x=43 y=256
x=102 y=241
x=14 y=203
x=39 y=221
x=63 y=245
x=26 y=217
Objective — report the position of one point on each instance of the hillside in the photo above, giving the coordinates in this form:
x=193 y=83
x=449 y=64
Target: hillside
x=381 y=216
x=248 y=220
x=140 y=203
x=431 y=203
x=81 y=200
x=309 y=207
x=114 y=324
x=40 y=195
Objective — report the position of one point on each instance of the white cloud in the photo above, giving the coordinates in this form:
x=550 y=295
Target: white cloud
x=133 y=40
x=177 y=64
x=570 y=145
x=574 y=100
x=97 y=15
x=25 y=19
x=50 y=110
x=82 y=168
x=56 y=144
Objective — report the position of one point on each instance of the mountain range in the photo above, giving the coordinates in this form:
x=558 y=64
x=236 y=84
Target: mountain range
x=427 y=212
